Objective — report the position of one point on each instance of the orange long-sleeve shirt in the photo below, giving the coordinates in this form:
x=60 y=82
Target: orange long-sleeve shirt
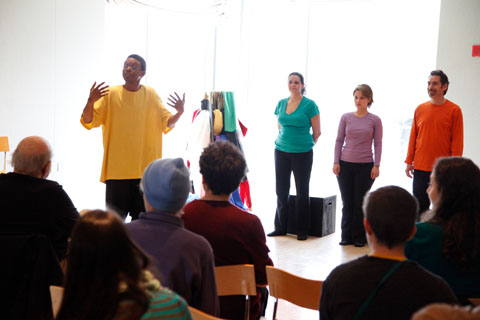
x=437 y=131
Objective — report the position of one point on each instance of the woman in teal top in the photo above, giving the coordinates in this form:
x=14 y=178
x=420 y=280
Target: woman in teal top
x=106 y=276
x=299 y=129
x=449 y=244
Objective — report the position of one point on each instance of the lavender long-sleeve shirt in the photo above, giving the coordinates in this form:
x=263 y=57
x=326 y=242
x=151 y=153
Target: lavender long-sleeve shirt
x=355 y=136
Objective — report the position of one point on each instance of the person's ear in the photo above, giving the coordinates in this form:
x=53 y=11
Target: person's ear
x=414 y=230
x=368 y=227
x=46 y=169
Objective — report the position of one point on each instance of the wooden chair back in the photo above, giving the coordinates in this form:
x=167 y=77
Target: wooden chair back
x=237 y=280
x=200 y=315
x=297 y=290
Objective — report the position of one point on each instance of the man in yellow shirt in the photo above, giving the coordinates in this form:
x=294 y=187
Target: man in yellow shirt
x=133 y=119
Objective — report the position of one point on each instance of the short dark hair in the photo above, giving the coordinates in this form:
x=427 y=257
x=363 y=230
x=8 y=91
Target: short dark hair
x=222 y=166
x=101 y=256
x=443 y=78
x=298 y=74
x=143 y=64
x=391 y=212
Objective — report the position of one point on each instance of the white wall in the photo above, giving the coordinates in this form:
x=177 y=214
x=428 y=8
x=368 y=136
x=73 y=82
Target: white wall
x=459 y=30
x=51 y=51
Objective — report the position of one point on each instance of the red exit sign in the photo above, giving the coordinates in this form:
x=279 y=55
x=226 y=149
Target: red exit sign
x=476 y=51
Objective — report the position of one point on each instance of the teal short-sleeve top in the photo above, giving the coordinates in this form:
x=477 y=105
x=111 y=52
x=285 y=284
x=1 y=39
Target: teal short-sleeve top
x=295 y=135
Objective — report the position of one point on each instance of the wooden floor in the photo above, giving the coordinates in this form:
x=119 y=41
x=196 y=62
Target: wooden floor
x=313 y=259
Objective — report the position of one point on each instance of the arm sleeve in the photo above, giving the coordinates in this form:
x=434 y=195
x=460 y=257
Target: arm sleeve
x=324 y=315
x=457 y=133
x=277 y=108
x=66 y=215
x=412 y=141
x=312 y=110
x=206 y=297
x=164 y=116
x=377 y=141
x=99 y=114
x=257 y=244
x=340 y=140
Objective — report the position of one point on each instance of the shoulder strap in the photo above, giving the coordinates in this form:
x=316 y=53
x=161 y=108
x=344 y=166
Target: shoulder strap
x=372 y=295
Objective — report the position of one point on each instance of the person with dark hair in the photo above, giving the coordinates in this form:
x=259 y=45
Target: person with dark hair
x=133 y=119
x=106 y=276
x=383 y=284
x=293 y=152
x=185 y=259
x=437 y=131
x=449 y=243
x=236 y=236
x=30 y=202
x=354 y=165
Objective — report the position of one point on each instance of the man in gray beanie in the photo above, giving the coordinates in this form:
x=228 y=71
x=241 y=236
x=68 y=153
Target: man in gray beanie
x=183 y=258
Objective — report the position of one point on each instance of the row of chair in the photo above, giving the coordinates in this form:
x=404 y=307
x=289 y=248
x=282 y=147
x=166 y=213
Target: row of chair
x=240 y=280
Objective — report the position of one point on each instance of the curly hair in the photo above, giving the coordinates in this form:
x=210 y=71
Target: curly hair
x=222 y=166
x=101 y=260
x=458 y=209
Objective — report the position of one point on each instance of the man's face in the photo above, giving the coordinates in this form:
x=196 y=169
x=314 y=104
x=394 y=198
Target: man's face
x=132 y=70
x=435 y=87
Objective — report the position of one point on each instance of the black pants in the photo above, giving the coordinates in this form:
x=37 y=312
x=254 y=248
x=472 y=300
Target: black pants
x=421 y=179
x=354 y=181
x=125 y=196
x=301 y=165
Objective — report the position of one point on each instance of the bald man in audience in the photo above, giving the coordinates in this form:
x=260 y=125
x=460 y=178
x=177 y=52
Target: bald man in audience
x=29 y=203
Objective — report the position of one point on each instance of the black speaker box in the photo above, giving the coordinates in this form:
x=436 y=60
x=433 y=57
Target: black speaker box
x=322 y=216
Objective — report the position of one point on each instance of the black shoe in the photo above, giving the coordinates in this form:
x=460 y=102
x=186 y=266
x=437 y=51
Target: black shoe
x=276 y=233
x=345 y=243
x=359 y=244
x=301 y=237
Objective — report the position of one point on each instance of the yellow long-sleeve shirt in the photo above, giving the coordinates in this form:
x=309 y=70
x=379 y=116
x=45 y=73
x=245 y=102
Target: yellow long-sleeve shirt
x=437 y=131
x=132 y=126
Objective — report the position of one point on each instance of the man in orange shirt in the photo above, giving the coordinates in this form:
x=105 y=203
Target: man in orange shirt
x=437 y=131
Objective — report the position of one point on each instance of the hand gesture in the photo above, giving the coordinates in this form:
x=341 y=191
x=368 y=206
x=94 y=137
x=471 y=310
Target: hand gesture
x=176 y=103
x=98 y=91
x=409 y=170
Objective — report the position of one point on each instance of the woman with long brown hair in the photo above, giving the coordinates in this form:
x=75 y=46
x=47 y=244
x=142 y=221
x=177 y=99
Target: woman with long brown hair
x=449 y=243
x=106 y=276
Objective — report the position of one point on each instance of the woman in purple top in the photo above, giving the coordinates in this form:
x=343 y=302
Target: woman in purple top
x=354 y=165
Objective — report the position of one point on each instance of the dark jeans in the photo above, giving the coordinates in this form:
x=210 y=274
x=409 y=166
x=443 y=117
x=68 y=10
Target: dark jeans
x=301 y=165
x=421 y=179
x=125 y=196
x=354 y=181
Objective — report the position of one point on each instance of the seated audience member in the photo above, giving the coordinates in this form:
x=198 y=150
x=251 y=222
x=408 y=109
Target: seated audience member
x=442 y=311
x=236 y=236
x=106 y=276
x=449 y=244
x=383 y=284
x=184 y=258
x=30 y=202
